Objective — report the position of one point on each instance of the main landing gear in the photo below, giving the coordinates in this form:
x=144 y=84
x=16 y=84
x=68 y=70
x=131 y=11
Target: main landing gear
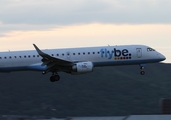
x=142 y=70
x=55 y=77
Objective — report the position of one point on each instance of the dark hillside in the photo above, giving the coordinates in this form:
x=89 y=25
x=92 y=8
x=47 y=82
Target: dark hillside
x=108 y=91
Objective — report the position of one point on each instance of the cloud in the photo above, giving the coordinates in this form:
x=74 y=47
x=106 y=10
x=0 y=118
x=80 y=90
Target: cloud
x=85 y=11
x=6 y=28
x=99 y=33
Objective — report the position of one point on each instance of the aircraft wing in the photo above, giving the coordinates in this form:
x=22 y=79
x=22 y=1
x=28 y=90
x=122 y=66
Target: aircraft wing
x=51 y=62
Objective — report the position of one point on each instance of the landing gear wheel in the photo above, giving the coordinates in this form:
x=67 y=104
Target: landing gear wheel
x=142 y=72
x=142 y=69
x=54 y=78
x=57 y=77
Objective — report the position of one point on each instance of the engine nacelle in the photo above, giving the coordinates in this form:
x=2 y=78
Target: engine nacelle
x=82 y=67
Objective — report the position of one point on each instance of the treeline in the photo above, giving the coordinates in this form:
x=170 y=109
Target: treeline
x=108 y=91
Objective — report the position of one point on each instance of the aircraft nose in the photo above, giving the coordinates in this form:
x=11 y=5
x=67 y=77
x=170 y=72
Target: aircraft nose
x=162 y=57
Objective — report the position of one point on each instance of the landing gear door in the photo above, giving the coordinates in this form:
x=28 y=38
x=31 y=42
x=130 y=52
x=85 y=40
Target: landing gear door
x=139 y=52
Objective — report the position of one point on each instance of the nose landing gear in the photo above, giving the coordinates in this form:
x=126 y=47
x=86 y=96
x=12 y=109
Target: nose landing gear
x=142 y=69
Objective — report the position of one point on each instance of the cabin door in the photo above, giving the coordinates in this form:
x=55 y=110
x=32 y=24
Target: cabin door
x=139 y=52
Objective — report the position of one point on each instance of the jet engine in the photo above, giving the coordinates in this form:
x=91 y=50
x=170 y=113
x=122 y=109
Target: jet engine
x=82 y=67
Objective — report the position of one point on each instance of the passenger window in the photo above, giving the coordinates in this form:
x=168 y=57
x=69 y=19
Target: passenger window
x=33 y=55
x=93 y=52
x=83 y=53
x=5 y=57
x=62 y=54
x=37 y=55
x=88 y=52
x=10 y=57
x=78 y=53
x=19 y=56
x=73 y=53
x=52 y=55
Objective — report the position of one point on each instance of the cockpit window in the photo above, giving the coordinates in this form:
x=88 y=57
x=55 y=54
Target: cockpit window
x=150 y=49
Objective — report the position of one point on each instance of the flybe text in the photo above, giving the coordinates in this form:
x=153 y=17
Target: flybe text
x=115 y=53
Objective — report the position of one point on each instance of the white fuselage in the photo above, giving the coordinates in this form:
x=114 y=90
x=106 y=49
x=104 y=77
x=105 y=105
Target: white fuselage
x=99 y=56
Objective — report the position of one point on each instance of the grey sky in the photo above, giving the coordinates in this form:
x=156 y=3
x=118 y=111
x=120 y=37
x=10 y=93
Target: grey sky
x=64 y=12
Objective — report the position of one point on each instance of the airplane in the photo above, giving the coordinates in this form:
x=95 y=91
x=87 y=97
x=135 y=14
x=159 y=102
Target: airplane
x=77 y=60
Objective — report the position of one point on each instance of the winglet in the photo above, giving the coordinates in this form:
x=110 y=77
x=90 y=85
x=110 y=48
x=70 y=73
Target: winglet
x=38 y=50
